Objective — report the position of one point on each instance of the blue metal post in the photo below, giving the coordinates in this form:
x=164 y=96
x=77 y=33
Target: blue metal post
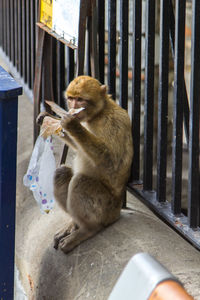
x=9 y=92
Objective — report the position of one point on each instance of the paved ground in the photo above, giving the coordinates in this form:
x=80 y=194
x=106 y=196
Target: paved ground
x=91 y=270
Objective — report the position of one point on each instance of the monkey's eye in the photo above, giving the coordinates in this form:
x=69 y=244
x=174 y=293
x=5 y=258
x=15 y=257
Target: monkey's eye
x=69 y=98
x=80 y=100
x=77 y=99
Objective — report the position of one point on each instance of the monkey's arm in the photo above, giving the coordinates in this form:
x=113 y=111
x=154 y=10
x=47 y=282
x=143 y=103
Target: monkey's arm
x=94 y=147
x=68 y=140
x=42 y=115
x=63 y=135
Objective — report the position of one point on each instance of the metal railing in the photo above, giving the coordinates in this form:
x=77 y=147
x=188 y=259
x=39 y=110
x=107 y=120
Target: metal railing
x=127 y=34
x=18 y=36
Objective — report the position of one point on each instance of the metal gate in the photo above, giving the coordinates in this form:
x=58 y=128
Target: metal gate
x=142 y=48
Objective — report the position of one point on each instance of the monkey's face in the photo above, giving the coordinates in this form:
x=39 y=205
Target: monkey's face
x=75 y=103
x=87 y=92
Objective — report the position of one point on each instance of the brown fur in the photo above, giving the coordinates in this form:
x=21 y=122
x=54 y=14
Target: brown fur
x=101 y=137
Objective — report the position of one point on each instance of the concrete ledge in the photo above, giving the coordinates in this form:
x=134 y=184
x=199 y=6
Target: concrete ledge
x=92 y=269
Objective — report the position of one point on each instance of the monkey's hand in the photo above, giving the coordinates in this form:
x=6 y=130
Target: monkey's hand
x=69 y=121
x=40 y=117
x=71 y=118
x=50 y=126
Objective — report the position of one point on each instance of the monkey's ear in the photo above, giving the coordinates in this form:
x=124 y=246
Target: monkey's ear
x=103 y=90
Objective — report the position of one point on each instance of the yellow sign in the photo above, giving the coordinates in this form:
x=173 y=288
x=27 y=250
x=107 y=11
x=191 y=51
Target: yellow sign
x=46 y=12
x=62 y=18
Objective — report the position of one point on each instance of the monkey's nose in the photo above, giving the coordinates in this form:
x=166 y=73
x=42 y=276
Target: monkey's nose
x=74 y=104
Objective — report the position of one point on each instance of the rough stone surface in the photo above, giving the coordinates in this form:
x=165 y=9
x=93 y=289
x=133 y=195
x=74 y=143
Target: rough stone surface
x=91 y=270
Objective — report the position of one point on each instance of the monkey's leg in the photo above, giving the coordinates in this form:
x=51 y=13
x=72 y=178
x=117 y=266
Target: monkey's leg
x=62 y=178
x=92 y=206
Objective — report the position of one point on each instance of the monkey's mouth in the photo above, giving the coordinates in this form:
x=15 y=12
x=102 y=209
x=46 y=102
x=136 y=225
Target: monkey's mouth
x=75 y=111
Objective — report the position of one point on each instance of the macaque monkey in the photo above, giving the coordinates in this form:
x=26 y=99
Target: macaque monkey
x=91 y=192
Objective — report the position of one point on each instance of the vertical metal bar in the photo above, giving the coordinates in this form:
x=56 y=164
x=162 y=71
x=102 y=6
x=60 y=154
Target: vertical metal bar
x=4 y=25
x=123 y=57
x=12 y=40
x=48 y=67
x=9 y=91
x=60 y=73
x=136 y=87
x=24 y=52
x=37 y=7
x=8 y=29
x=163 y=101
x=123 y=60
x=88 y=45
x=93 y=49
x=37 y=10
x=37 y=81
x=185 y=97
x=70 y=65
x=54 y=71
x=101 y=34
x=1 y=24
x=28 y=44
x=193 y=184
x=33 y=40
x=16 y=34
x=149 y=94
x=20 y=36
x=84 y=7
x=178 y=107
x=70 y=77
x=112 y=48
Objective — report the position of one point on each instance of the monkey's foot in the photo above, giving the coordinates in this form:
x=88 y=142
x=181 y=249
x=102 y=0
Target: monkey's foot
x=64 y=233
x=69 y=242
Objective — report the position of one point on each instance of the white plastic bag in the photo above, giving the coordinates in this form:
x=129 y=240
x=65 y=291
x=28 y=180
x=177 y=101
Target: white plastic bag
x=39 y=176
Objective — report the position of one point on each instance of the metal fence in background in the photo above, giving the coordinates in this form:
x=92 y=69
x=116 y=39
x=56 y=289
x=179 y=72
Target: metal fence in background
x=167 y=183
x=18 y=36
